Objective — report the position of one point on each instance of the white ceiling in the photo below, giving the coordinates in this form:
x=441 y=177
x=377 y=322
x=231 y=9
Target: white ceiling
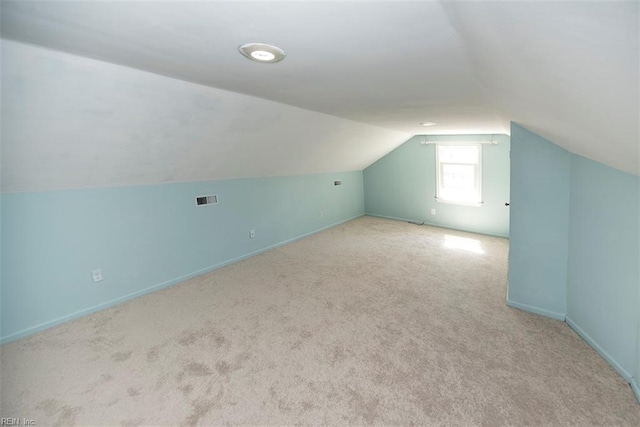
x=566 y=70
x=69 y=122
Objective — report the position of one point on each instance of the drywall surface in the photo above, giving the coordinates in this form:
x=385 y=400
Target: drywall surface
x=574 y=249
x=603 y=279
x=70 y=122
x=566 y=69
x=146 y=237
x=540 y=62
x=402 y=185
x=636 y=377
x=635 y=382
x=1 y=248
x=540 y=180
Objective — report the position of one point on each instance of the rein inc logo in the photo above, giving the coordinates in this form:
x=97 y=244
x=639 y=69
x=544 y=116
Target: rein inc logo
x=17 y=422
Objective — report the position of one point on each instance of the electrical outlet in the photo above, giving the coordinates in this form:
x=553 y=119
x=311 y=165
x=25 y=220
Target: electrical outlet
x=252 y=234
x=97 y=275
x=433 y=211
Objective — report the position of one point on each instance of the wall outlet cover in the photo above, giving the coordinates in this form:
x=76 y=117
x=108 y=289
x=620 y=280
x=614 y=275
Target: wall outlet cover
x=97 y=275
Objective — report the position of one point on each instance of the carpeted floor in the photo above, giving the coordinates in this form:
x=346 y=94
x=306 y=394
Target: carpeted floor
x=371 y=322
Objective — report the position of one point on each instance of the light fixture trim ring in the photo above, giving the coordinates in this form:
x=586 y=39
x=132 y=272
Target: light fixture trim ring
x=262 y=52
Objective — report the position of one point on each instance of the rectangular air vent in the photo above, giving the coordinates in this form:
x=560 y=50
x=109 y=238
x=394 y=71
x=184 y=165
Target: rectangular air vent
x=206 y=200
x=337 y=183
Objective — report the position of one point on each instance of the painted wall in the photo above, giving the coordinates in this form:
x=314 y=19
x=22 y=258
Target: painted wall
x=574 y=249
x=1 y=262
x=72 y=122
x=147 y=237
x=101 y=163
x=635 y=382
x=540 y=179
x=402 y=185
x=603 y=279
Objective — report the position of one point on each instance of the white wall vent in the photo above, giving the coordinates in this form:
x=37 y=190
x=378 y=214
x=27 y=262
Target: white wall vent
x=206 y=200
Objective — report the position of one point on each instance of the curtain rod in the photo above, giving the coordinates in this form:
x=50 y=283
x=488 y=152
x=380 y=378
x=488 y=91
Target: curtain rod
x=492 y=142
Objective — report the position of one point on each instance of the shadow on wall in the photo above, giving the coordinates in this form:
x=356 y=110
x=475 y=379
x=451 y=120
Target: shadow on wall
x=574 y=249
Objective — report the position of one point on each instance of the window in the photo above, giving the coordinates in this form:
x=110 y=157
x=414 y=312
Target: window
x=459 y=174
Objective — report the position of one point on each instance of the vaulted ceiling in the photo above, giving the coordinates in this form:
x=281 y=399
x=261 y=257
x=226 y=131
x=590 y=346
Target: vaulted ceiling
x=566 y=70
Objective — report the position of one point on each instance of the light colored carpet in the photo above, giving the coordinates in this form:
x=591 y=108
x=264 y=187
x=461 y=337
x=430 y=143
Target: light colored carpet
x=371 y=322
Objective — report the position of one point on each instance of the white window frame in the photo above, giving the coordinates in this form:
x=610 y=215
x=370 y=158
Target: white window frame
x=478 y=174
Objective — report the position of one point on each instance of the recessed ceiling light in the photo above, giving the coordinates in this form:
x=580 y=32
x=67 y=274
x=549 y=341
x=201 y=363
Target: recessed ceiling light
x=262 y=52
x=262 y=55
x=427 y=123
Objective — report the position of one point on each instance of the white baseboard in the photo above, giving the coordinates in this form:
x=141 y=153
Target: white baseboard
x=113 y=302
x=606 y=356
x=536 y=310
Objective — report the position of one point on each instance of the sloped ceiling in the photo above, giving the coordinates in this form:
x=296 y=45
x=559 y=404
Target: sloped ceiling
x=69 y=122
x=566 y=70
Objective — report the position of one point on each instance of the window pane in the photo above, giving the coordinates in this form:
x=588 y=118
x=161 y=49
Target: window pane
x=462 y=177
x=458 y=175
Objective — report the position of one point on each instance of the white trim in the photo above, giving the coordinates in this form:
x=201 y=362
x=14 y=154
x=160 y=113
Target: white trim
x=450 y=202
x=478 y=174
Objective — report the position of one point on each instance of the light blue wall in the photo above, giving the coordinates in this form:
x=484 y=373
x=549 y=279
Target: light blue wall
x=635 y=383
x=147 y=237
x=574 y=247
x=540 y=179
x=402 y=185
x=636 y=376
x=603 y=278
x=1 y=240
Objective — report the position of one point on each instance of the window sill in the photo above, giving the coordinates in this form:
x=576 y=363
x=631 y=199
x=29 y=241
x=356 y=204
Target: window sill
x=455 y=202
